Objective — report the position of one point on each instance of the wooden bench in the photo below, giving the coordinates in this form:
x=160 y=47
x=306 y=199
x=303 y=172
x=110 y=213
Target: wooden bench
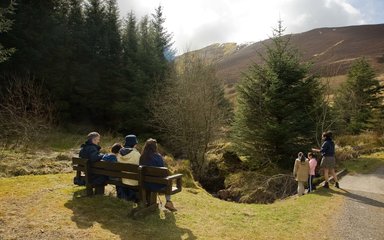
x=143 y=174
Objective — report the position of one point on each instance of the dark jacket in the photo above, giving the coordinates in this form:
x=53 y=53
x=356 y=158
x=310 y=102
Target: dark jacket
x=90 y=151
x=328 y=148
x=155 y=161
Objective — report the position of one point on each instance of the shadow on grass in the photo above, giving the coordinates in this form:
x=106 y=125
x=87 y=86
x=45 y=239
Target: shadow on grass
x=353 y=196
x=112 y=214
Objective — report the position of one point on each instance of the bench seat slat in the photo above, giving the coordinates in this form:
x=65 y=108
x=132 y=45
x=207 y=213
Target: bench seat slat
x=116 y=166
x=129 y=175
x=156 y=171
x=161 y=180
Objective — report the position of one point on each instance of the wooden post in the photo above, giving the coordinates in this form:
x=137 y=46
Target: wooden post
x=142 y=194
x=153 y=198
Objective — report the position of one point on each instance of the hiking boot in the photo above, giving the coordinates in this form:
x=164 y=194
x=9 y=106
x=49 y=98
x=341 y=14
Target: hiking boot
x=169 y=205
x=337 y=185
x=326 y=185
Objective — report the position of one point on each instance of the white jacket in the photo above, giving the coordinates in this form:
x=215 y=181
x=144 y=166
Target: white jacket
x=133 y=158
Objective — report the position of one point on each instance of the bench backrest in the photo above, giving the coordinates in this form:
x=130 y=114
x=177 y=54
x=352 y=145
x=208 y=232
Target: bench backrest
x=121 y=170
x=143 y=174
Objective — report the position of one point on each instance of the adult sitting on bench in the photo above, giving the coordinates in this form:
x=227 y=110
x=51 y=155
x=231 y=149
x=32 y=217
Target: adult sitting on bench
x=91 y=150
x=129 y=154
x=151 y=157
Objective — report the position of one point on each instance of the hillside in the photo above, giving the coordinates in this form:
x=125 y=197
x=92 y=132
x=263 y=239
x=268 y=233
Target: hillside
x=330 y=49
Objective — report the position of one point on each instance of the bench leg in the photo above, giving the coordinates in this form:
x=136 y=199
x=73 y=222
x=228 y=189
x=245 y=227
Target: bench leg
x=153 y=198
x=89 y=191
x=99 y=190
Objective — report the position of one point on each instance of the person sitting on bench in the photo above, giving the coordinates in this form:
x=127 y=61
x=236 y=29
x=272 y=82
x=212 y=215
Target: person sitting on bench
x=151 y=157
x=91 y=150
x=129 y=154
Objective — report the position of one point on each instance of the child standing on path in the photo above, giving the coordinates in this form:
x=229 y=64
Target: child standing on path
x=301 y=172
x=312 y=167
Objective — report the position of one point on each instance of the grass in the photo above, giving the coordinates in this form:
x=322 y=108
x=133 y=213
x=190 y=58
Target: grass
x=49 y=206
x=365 y=163
x=50 y=153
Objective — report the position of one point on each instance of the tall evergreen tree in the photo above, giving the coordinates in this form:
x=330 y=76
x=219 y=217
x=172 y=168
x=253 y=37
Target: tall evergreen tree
x=103 y=39
x=162 y=43
x=5 y=26
x=37 y=34
x=359 y=99
x=275 y=100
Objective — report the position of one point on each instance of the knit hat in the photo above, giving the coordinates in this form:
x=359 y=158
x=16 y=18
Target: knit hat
x=130 y=141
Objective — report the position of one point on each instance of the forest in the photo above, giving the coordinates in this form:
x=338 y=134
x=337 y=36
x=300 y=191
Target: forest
x=66 y=64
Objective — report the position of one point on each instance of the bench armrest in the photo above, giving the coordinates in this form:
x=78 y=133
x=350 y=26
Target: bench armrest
x=174 y=176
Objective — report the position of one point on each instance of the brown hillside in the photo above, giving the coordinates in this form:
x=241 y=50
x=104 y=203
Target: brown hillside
x=330 y=49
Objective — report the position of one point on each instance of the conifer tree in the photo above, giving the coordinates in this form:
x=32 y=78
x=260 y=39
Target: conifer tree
x=275 y=100
x=359 y=101
x=162 y=41
x=5 y=26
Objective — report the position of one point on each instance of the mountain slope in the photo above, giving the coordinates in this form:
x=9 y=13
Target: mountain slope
x=330 y=49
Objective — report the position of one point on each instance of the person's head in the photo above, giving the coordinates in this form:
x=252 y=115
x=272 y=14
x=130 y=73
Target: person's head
x=130 y=141
x=311 y=155
x=301 y=156
x=327 y=135
x=93 y=137
x=150 y=148
x=116 y=148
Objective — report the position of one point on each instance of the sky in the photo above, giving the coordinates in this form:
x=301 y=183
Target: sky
x=198 y=23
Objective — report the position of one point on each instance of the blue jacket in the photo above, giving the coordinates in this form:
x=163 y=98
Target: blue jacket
x=328 y=148
x=110 y=158
x=90 y=151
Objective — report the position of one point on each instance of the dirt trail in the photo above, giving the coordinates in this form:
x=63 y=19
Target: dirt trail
x=362 y=216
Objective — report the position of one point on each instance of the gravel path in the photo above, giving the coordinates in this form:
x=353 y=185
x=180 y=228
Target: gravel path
x=362 y=215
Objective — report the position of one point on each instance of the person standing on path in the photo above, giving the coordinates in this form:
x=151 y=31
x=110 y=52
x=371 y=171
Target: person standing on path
x=301 y=172
x=328 y=161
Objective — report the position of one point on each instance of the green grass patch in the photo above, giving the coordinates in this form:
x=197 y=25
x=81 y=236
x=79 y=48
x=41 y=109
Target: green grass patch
x=365 y=163
x=48 y=207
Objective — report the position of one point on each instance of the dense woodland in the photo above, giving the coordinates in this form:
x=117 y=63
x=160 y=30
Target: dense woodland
x=77 y=62
x=95 y=67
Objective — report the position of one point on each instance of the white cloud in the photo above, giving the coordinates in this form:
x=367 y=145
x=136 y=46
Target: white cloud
x=198 y=23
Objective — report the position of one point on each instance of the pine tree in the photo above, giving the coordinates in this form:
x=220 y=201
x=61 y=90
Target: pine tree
x=162 y=41
x=359 y=99
x=275 y=101
x=5 y=26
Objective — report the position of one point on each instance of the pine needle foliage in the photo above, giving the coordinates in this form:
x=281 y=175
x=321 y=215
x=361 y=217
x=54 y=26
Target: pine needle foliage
x=275 y=104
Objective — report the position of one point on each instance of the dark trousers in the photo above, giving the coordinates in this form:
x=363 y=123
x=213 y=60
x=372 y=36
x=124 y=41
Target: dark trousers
x=311 y=187
x=126 y=194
